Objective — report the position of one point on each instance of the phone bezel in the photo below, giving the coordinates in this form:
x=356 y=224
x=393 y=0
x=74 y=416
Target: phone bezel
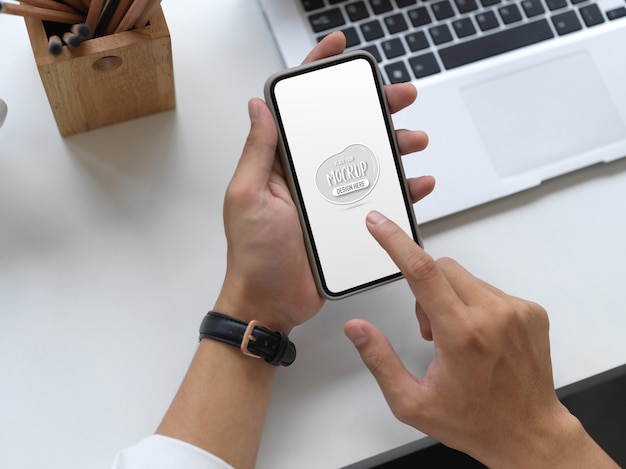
x=292 y=177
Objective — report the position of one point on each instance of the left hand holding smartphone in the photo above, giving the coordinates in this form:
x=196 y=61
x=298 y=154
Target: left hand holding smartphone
x=268 y=273
x=268 y=279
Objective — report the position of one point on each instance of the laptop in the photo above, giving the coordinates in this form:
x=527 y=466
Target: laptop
x=511 y=92
x=597 y=401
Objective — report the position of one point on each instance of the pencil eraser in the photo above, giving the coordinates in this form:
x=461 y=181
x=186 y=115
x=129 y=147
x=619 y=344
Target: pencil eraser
x=55 y=47
x=72 y=40
x=82 y=30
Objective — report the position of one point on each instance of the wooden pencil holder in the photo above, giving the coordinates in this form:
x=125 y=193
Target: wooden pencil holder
x=108 y=79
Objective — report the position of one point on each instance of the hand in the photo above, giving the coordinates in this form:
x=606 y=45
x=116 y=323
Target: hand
x=268 y=274
x=268 y=278
x=489 y=390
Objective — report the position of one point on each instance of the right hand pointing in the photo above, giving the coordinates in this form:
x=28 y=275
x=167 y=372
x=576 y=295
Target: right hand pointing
x=489 y=390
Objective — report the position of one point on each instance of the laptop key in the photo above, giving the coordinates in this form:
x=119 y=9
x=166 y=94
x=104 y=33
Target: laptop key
x=381 y=6
x=466 y=6
x=357 y=11
x=556 y=4
x=372 y=30
x=533 y=8
x=510 y=13
x=419 y=17
x=424 y=65
x=396 y=23
x=374 y=51
x=310 y=5
x=487 y=20
x=566 y=23
x=440 y=34
x=393 y=48
x=442 y=10
x=352 y=38
x=616 y=13
x=463 y=27
x=417 y=41
x=329 y=19
x=495 y=44
x=591 y=14
x=397 y=73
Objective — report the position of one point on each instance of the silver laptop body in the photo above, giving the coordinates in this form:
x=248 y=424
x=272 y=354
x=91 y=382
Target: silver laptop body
x=503 y=112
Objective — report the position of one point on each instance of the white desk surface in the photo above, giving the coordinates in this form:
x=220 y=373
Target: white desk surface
x=112 y=249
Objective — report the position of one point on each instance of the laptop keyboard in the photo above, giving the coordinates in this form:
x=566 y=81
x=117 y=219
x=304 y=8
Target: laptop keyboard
x=417 y=38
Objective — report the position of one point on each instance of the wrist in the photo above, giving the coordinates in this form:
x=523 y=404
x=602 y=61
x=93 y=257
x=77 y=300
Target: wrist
x=559 y=441
x=251 y=338
x=222 y=389
x=240 y=303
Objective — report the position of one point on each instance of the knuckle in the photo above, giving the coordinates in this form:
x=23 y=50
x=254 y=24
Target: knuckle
x=405 y=408
x=447 y=264
x=536 y=314
x=475 y=338
x=239 y=192
x=420 y=266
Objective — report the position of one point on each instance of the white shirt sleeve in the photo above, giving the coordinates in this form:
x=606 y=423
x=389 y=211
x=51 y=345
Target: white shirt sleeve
x=162 y=452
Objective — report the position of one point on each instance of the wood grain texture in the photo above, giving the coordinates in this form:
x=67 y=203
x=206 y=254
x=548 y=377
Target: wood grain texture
x=109 y=79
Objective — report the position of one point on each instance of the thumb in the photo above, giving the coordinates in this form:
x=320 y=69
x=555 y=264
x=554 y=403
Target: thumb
x=398 y=385
x=259 y=153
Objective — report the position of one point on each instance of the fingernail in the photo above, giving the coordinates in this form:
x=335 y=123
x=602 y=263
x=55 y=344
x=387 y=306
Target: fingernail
x=253 y=110
x=375 y=218
x=357 y=335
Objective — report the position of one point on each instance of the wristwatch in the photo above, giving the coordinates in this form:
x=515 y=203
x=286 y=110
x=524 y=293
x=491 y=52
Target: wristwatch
x=252 y=338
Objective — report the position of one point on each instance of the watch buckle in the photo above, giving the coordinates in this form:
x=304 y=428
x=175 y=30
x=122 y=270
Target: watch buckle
x=247 y=337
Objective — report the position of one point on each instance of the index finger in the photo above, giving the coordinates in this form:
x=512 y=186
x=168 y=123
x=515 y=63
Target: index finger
x=333 y=44
x=428 y=283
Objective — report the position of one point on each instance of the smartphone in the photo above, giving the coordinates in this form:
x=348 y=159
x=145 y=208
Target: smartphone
x=341 y=160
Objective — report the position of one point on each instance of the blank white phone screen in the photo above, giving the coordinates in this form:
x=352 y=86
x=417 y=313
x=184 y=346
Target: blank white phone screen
x=338 y=143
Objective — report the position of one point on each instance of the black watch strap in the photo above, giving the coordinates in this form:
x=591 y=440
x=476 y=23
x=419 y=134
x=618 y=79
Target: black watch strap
x=252 y=338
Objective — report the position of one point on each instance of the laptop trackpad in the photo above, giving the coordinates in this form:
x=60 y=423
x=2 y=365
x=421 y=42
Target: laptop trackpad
x=543 y=114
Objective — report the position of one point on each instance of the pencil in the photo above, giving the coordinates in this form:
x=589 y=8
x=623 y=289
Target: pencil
x=50 y=5
x=76 y=5
x=132 y=15
x=147 y=14
x=82 y=30
x=93 y=14
x=55 y=46
x=118 y=14
x=72 y=40
x=42 y=14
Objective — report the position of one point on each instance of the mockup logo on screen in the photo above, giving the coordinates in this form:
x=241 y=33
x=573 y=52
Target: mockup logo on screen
x=348 y=176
